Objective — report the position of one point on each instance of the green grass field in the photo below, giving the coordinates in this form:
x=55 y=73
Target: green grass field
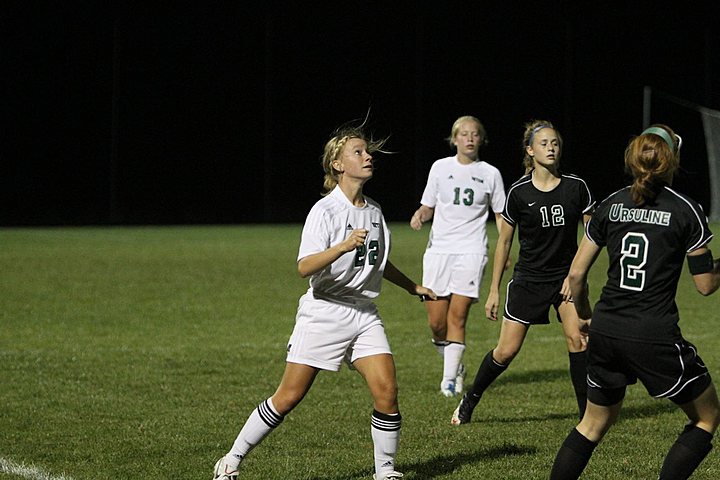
x=135 y=353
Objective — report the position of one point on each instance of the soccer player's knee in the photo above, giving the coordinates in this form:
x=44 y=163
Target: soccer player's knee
x=284 y=404
x=439 y=330
x=458 y=322
x=438 y=324
x=504 y=355
x=575 y=342
x=390 y=391
x=385 y=396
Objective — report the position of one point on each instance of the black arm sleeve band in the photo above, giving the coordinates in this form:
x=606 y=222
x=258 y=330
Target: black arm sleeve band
x=702 y=263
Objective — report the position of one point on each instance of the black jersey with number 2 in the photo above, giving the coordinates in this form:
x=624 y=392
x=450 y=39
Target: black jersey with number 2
x=646 y=250
x=547 y=224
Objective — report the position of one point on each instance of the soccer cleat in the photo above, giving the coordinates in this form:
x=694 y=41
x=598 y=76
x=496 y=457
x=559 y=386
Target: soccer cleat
x=463 y=412
x=447 y=388
x=460 y=379
x=389 y=476
x=224 y=472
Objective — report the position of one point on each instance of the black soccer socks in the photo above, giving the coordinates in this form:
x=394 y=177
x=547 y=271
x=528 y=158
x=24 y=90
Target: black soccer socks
x=572 y=457
x=690 y=448
x=487 y=373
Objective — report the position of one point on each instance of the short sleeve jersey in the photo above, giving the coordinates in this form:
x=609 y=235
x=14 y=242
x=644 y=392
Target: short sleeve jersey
x=356 y=277
x=646 y=249
x=461 y=195
x=547 y=224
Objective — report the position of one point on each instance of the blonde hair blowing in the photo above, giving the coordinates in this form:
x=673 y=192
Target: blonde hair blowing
x=531 y=128
x=456 y=127
x=334 y=146
x=652 y=164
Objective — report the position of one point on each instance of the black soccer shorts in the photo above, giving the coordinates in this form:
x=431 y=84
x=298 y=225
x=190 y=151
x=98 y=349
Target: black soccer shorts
x=667 y=370
x=529 y=302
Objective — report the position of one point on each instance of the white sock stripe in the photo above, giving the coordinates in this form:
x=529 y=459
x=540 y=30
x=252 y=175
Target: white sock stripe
x=268 y=416
x=28 y=471
x=386 y=429
x=386 y=425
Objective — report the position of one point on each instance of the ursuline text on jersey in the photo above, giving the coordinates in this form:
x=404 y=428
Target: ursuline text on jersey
x=619 y=213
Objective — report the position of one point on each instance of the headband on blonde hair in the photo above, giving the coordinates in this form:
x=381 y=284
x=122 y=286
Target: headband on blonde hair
x=662 y=133
x=535 y=130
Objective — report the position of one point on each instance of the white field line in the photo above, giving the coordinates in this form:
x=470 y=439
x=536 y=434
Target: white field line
x=28 y=471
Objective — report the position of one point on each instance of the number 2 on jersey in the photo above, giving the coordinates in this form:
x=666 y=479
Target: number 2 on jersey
x=634 y=256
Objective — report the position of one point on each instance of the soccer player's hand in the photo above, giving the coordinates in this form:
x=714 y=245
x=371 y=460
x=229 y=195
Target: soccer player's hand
x=415 y=222
x=565 y=291
x=354 y=240
x=491 y=306
x=425 y=293
x=584 y=331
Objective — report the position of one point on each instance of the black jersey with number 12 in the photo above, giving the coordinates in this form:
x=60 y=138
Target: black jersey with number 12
x=547 y=224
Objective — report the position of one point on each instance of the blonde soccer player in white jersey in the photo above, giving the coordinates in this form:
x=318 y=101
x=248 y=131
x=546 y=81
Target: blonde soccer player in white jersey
x=344 y=251
x=459 y=194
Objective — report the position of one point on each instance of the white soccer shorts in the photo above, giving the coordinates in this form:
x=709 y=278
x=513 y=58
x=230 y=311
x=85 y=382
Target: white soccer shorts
x=326 y=332
x=446 y=274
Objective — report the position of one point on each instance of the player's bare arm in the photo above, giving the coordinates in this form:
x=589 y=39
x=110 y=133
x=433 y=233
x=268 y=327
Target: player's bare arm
x=705 y=271
x=394 y=275
x=566 y=291
x=577 y=277
x=421 y=215
x=316 y=262
x=498 y=223
x=502 y=253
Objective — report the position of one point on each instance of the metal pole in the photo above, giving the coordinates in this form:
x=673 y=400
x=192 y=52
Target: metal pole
x=647 y=95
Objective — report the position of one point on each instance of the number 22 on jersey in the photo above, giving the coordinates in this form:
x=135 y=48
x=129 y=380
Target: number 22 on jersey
x=369 y=253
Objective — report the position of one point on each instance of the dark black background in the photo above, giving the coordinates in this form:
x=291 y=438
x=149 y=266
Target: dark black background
x=217 y=112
